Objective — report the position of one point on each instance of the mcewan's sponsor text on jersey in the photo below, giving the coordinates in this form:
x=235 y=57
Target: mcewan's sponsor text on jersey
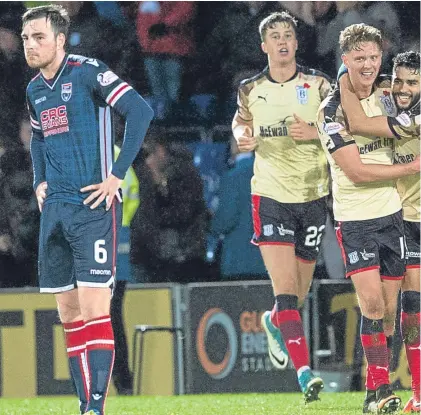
x=355 y=202
x=406 y=128
x=285 y=170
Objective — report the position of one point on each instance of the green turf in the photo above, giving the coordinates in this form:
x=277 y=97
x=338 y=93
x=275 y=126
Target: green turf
x=239 y=404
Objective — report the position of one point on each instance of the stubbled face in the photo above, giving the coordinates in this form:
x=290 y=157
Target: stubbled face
x=363 y=64
x=40 y=43
x=280 y=43
x=406 y=87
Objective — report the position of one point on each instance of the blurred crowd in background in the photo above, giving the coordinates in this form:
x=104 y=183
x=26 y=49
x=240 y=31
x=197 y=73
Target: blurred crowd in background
x=193 y=222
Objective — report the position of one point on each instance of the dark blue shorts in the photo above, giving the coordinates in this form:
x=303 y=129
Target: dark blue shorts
x=77 y=246
x=412 y=237
x=373 y=244
x=300 y=225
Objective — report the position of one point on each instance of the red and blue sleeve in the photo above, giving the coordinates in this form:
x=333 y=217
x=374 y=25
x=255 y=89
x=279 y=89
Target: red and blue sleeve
x=130 y=105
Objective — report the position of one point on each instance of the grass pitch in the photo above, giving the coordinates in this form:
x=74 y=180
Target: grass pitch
x=349 y=403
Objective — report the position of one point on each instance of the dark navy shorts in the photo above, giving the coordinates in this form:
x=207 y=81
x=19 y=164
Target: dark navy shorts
x=297 y=224
x=412 y=237
x=373 y=244
x=77 y=246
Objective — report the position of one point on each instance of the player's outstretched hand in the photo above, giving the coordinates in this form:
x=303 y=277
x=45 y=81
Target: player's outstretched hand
x=302 y=131
x=41 y=194
x=106 y=190
x=246 y=142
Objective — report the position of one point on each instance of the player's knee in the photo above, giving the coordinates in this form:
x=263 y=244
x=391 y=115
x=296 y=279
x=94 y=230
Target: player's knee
x=69 y=313
x=94 y=310
x=94 y=302
x=411 y=282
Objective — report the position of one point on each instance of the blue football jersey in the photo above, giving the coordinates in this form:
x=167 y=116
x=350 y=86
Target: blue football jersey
x=72 y=131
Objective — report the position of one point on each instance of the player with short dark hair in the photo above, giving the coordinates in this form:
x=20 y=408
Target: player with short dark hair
x=275 y=117
x=271 y=21
x=57 y=16
x=405 y=127
x=369 y=215
x=70 y=103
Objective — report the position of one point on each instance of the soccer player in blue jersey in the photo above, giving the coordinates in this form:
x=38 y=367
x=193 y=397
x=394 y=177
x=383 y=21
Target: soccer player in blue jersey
x=77 y=186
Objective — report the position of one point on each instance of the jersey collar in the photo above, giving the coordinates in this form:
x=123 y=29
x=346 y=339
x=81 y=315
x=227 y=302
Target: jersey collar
x=266 y=70
x=52 y=82
x=414 y=110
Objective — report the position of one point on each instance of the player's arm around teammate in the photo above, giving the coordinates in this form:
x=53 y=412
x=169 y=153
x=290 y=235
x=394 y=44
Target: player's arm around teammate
x=369 y=217
x=359 y=123
x=348 y=158
x=406 y=128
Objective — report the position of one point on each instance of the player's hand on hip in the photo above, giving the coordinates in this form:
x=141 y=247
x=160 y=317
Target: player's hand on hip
x=41 y=194
x=301 y=130
x=246 y=142
x=106 y=190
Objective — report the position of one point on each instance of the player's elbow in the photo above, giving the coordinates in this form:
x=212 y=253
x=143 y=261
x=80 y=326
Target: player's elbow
x=135 y=109
x=355 y=126
x=140 y=110
x=147 y=112
x=352 y=128
x=359 y=180
x=151 y=113
x=356 y=177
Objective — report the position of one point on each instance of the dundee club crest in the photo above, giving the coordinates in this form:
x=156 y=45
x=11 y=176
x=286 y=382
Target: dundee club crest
x=353 y=257
x=302 y=93
x=388 y=105
x=66 y=91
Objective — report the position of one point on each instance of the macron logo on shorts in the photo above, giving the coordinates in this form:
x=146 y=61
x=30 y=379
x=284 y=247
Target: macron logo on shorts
x=100 y=272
